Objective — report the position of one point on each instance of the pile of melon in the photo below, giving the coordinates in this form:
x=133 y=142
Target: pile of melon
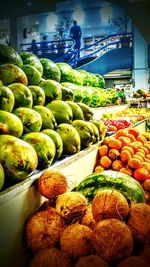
x=128 y=152
x=68 y=231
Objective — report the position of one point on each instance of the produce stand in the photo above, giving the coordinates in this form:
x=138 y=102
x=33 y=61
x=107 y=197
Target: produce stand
x=20 y=201
x=98 y=112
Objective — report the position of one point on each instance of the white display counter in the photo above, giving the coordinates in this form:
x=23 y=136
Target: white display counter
x=98 y=112
x=20 y=201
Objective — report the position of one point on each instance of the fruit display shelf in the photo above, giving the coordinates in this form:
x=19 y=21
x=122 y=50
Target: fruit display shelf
x=21 y=200
x=98 y=112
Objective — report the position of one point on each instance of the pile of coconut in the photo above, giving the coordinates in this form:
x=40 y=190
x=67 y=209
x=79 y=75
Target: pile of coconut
x=66 y=231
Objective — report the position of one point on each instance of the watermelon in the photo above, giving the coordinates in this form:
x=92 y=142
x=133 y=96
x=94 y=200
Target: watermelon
x=7 y=100
x=2 y=176
x=66 y=72
x=33 y=75
x=77 y=92
x=44 y=147
x=128 y=186
x=52 y=90
x=10 y=73
x=101 y=81
x=67 y=93
x=22 y=94
x=31 y=119
x=9 y=55
x=87 y=94
x=38 y=95
x=18 y=158
x=87 y=79
x=31 y=59
x=10 y=124
x=50 y=69
x=78 y=78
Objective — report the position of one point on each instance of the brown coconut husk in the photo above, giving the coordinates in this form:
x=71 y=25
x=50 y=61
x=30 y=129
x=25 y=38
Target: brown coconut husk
x=133 y=261
x=88 y=219
x=91 y=261
x=112 y=240
x=50 y=257
x=145 y=252
x=71 y=206
x=76 y=240
x=43 y=230
x=109 y=203
x=52 y=183
x=47 y=204
x=139 y=222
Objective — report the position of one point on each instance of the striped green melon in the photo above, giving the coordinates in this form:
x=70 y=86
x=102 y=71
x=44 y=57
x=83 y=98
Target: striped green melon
x=124 y=183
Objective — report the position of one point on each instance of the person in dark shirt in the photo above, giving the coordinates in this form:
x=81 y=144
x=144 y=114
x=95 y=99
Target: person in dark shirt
x=34 y=46
x=44 y=45
x=75 y=34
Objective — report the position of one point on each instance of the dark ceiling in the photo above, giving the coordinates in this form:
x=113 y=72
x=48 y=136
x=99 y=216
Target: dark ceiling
x=138 y=10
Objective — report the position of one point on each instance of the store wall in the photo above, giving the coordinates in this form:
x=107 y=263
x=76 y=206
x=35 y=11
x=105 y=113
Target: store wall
x=95 y=18
x=140 y=68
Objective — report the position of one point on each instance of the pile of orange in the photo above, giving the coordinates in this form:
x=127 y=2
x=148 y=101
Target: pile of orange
x=128 y=152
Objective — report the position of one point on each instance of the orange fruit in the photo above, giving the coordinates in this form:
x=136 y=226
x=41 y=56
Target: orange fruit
x=121 y=132
x=117 y=165
x=140 y=154
x=113 y=153
x=126 y=170
x=124 y=140
x=132 y=137
x=134 y=163
x=146 y=185
x=147 y=145
x=114 y=143
x=135 y=145
x=145 y=149
x=128 y=148
x=103 y=150
x=99 y=169
x=106 y=140
x=141 y=174
x=105 y=162
x=125 y=155
x=138 y=157
x=142 y=139
x=146 y=165
x=142 y=151
x=112 y=128
x=148 y=156
x=134 y=131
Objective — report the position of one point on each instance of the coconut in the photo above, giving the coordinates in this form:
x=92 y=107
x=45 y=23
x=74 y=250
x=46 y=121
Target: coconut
x=91 y=261
x=133 y=261
x=50 y=257
x=71 y=205
x=145 y=252
x=112 y=239
x=76 y=240
x=109 y=203
x=47 y=204
x=139 y=222
x=43 y=229
x=52 y=183
x=88 y=219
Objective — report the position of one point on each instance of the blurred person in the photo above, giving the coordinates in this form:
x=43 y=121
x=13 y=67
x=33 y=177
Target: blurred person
x=34 y=46
x=75 y=34
x=121 y=95
x=44 y=44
